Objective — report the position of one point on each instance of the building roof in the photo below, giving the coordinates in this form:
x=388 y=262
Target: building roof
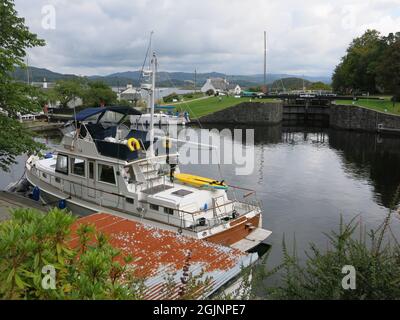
x=158 y=254
x=219 y=83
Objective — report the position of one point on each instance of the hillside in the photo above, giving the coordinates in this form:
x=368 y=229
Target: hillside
x=164 y=78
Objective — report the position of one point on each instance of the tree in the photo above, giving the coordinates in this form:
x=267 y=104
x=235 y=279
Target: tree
x=15 y=97
x=388 y=68
x=171 y=97
x=98 y=94
x=68 y=90
x=319 y=85
x=210 y=92
x=357 y=70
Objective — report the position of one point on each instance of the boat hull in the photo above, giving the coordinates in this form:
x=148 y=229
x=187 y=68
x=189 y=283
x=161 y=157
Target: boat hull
x=229 y=236
x=237 y=232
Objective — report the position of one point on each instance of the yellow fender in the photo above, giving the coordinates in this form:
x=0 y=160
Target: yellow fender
x=133 y=144
x=167 y=143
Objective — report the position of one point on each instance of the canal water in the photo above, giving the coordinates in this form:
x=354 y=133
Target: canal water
x=306 y=179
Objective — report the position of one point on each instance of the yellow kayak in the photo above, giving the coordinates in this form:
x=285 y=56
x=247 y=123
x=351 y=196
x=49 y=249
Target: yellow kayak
x=200 y=181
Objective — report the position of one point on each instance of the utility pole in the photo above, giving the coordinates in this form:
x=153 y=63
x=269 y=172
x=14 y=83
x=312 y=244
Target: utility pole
x=195 y=79
x=265 y=59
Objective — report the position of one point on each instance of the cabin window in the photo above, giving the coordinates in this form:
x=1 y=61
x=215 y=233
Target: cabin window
x=106 y=173
x=154 y=207
x=62 y=164
x=91 y=170
x=129 y=200
x=169 y=211
x=78 y=166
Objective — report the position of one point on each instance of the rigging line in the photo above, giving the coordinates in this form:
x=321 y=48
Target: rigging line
x=145 y=58
x=201 y=127
x=184 y=102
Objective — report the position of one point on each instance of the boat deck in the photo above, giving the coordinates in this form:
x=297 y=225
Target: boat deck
x=159 y=253
x=157 y=189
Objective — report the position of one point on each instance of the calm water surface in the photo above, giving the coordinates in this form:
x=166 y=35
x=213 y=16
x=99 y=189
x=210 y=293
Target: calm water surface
x=306 y=178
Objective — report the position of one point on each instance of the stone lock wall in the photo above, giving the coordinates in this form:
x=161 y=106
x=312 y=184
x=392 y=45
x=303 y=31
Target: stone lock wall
x=247 y=113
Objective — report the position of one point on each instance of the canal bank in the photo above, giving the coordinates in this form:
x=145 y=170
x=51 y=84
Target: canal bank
x=317 y=112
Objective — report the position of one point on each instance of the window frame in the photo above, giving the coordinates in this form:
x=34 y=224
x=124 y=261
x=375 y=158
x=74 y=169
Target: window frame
x=98 y=174
x=93 y=173
x=67 y=168
x=72 y=167
x=169 y=211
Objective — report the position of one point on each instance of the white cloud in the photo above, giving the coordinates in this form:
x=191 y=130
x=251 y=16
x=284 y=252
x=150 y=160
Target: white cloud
x=102 y=36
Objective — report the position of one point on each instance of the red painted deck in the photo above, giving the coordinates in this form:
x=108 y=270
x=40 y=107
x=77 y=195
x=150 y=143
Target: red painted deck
x=157 y=253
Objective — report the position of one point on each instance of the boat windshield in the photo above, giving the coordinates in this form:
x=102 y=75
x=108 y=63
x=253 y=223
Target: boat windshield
x=111 y=117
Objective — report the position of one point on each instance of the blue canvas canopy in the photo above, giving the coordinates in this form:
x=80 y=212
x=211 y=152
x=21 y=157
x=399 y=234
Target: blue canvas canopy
x=89 y=112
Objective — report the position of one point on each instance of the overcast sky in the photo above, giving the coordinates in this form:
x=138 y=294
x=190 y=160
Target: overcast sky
x=103 y=36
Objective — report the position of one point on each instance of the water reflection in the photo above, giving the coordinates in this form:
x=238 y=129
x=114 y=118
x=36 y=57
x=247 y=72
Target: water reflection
x=306 y=178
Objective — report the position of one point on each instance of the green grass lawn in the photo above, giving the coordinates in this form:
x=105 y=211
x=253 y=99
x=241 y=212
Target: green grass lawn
x=203 y=107
x=380 y=105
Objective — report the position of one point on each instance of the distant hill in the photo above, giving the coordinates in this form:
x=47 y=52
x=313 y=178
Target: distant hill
x=164 y=79
x=38 y=74
x=291 y=83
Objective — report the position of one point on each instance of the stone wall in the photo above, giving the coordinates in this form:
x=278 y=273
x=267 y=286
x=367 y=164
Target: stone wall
x=247 y=113
x=358 y=118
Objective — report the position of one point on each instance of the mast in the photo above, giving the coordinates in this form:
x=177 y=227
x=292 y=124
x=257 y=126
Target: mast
x=152 y=100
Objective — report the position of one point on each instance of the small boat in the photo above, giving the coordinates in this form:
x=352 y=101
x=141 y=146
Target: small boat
x=200 y=181
x=160 y=119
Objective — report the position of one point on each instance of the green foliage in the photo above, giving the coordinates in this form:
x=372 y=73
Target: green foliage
x=98 y=93
x=375 y=259
x=93 y=93
x=319 y=85
x=210 y=92
x=31 y=240
x=371 y=64
x=171 y=97
x=254 y=89
x=15 y=97
x=66 y=91
x=388 y=69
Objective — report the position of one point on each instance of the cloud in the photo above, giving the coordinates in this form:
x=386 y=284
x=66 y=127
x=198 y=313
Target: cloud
x=102 y=36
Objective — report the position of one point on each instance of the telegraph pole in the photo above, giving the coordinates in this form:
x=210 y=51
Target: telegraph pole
x=265 y=59
x=195 y=78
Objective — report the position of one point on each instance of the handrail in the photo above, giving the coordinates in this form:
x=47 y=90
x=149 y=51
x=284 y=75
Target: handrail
x=183 y=214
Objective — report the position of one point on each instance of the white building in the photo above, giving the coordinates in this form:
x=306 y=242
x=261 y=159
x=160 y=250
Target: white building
x=130 y=94
x=235 y=89
x=220 y=85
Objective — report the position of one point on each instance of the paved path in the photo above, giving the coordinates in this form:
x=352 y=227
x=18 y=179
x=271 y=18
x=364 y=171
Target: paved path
x=9 y=201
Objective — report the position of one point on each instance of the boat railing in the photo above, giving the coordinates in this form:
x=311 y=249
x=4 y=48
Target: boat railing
x=195 y=221
x=223 y=213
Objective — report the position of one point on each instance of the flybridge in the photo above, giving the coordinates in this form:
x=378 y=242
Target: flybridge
x=91 y=112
